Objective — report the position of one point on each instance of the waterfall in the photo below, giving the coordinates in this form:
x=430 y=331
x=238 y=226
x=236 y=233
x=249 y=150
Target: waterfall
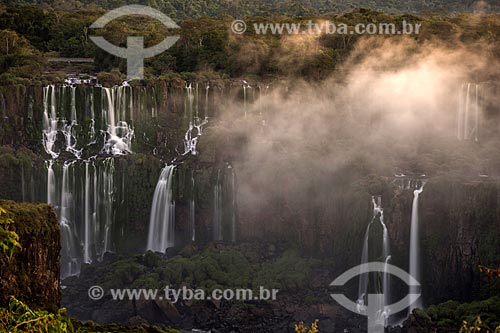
x=162 y=220
x=207 y=89
x=217 y=221
x=386 y=277
x=469 y=112
x=50 y=121
x=190 y=139
x=87 y=215
x=91 y=132
x=119 y=134
x=69 y=250
x=67 y=128
x=81 y=186
x=415 y=246
x=73 y=105
x=90 y=203
x=70 y=139
x=154 y=110
x=363 y=278
x=51 y=184
x=188 y=107
x=109 y=109
x=245 y=87
x=382 y=314
x=224 y=206
x=85 y=238
x=106 y=199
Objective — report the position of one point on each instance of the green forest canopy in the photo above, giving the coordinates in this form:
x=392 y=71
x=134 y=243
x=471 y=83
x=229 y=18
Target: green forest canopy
x=31 y=34
x=190 y=9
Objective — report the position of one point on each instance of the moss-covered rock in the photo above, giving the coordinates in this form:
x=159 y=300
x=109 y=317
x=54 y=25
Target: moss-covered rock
x=32 y=273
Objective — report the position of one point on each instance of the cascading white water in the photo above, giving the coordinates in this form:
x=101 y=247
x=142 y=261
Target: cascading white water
x=382 y=313
x=191 y=112
x=85 y=206
x=162 y=220
x=119 y=134
x=91 y=131
x=67 y=128
x=70 y=140
x=87 y=238
x=415 y=246
x=50 y=121
x=52 y=124
x=97 y=206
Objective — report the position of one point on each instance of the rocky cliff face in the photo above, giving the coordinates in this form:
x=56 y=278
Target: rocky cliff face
x=32 y=273
x=326 y=218
x=461 y=229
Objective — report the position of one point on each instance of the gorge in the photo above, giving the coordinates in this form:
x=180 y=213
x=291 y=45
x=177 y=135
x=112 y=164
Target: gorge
x=246 y=182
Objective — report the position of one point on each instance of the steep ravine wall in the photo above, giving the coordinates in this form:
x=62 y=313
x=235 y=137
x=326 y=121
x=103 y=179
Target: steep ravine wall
x=32 y=273
x=459 y=217
x=459 y=230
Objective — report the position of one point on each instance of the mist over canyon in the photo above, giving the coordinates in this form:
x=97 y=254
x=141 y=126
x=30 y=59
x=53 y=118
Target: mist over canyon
x=283 y=182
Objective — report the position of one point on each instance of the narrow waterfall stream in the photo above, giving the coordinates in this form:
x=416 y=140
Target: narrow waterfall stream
x=366 y=257
x=415 y=247
x=161 y=234
x=469 y=112
x=69 y=249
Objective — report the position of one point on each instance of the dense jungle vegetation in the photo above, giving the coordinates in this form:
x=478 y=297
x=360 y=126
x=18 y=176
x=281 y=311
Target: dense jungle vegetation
x=30 y=35
x=181 y=9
